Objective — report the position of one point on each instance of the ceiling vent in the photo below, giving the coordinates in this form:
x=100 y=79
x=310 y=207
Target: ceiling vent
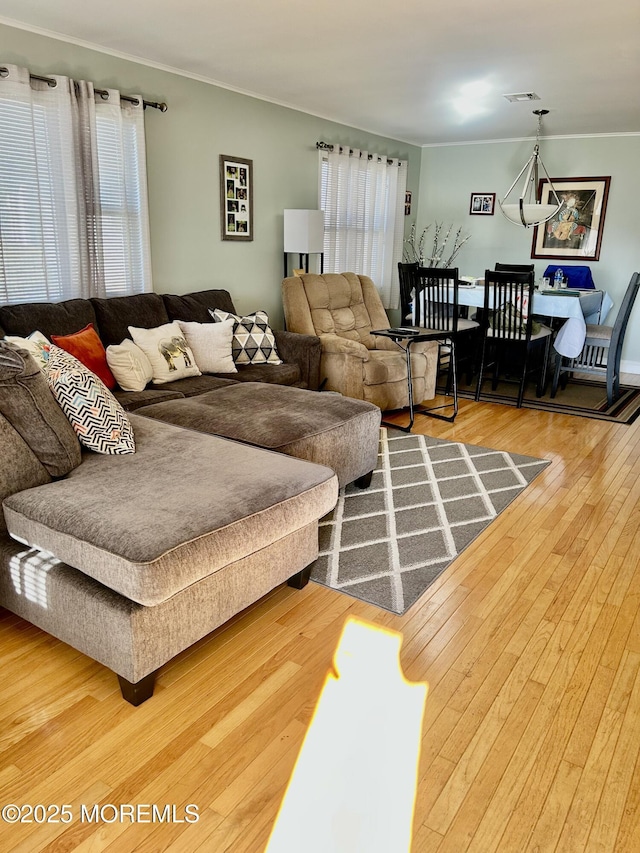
x=522 y=96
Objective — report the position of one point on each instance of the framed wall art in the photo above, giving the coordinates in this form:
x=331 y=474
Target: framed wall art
x=407 y=203
x=482 y=204
x=236 y=198
x=574 y=232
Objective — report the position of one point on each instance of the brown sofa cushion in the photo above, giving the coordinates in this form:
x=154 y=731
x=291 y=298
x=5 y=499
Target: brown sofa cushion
x=184 y=506
x=50 y=318
x=328 y=429
x=27 y=403
x=116 y=314
x=19 y=466
x=273 y=374
x=194 y=307
x=190 y=386
x=178 y=390
x=132 y=400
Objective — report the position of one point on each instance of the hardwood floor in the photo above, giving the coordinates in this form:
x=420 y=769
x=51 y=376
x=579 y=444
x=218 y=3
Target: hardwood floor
x=530 y=643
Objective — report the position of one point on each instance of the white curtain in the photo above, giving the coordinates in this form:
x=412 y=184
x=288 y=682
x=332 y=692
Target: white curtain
x=73 y=193
x=362 y=196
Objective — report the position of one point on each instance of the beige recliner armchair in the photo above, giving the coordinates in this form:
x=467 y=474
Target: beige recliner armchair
x=342 y=310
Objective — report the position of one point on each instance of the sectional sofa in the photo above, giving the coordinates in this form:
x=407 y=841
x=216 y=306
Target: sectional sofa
x=132 y=558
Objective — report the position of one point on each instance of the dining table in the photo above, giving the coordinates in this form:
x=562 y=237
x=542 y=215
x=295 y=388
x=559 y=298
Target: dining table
x=576 y=307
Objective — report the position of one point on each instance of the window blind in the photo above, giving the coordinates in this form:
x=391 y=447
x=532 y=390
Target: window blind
x=362 y=196
x=73 y=206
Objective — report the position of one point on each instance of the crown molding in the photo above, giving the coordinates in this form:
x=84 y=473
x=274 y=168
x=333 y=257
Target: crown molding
x=530 y=139
x=169 y=69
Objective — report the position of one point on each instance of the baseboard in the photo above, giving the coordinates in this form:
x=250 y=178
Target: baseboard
x=630 y=367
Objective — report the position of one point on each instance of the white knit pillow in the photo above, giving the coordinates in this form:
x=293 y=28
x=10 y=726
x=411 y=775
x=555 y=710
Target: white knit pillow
x=211 y=345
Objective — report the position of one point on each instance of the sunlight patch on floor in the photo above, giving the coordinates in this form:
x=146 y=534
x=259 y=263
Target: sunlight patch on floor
x=354 y=785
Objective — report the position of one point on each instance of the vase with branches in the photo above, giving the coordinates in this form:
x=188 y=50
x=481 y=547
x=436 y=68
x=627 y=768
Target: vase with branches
x=443 y=253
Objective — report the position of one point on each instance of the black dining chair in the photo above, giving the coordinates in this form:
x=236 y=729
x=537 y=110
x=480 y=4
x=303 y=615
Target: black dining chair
x=602 y=348
x=514 y=267
x=435 y=302
x=509 y=336
x=436 y=307
x=405 y=271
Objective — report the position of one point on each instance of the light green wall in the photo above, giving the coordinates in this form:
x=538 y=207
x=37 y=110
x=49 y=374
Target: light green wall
x=183 y=146
x=204 y=121
x=449 y=174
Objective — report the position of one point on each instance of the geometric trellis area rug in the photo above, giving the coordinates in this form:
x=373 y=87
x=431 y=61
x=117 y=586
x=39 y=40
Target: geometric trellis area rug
x=428 y=500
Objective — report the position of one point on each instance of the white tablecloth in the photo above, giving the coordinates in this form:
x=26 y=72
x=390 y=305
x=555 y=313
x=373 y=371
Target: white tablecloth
x=570 y=338
x=590 y=306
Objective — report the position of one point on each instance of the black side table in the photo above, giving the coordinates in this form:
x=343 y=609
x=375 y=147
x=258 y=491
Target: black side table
x=404 y=337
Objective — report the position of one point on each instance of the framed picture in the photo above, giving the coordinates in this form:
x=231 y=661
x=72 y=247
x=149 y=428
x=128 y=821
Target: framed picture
x=482 y=204
x=575 y=231
x=236 y=198
x=407 y=203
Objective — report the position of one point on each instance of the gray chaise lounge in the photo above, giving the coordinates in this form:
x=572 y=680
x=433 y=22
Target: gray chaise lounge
x=132 y=558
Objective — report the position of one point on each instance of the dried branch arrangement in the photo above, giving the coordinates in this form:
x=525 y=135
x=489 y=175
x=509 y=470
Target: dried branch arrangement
x=414 y=247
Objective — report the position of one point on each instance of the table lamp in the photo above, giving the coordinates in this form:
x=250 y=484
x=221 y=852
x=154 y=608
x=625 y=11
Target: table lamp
x=304 y=236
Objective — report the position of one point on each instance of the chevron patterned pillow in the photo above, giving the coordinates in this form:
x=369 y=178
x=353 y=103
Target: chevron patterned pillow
x=253 y=340
x=99 y=420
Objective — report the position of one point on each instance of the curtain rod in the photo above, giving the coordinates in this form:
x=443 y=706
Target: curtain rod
x=328 y=146
x=102 y=92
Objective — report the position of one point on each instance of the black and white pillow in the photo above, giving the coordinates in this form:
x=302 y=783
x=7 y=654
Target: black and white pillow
x=98 y=419
x=253 y=339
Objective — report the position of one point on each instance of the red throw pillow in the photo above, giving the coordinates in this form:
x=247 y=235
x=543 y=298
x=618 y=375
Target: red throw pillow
x=87 y=347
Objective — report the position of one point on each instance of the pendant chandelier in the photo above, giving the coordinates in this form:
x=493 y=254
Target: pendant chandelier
x=528 y=210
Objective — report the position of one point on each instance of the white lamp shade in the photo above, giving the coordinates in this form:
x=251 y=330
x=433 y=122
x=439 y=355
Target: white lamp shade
x=533 y=214
x=304 y=231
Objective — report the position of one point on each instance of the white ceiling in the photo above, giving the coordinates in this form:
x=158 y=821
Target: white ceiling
x=396 y=69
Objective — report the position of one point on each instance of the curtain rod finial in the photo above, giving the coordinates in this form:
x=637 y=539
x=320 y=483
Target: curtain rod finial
x=156 y=106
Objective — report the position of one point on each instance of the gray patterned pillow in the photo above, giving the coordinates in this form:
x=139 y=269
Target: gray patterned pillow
x=253 y=340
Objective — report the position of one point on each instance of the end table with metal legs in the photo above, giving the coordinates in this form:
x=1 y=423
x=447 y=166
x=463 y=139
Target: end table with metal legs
x=403 y=338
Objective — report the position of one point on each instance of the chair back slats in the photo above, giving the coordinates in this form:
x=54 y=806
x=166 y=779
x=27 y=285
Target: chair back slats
x=508 y=299
x=435 y=298
x=593 y=357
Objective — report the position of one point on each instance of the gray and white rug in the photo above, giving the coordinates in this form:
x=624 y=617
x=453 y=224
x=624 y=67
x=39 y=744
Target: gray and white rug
x=429 y=498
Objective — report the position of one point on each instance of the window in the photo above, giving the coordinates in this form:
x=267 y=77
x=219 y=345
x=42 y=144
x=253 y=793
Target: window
x=123 y=206
x=73 y=206
x=362 y=196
